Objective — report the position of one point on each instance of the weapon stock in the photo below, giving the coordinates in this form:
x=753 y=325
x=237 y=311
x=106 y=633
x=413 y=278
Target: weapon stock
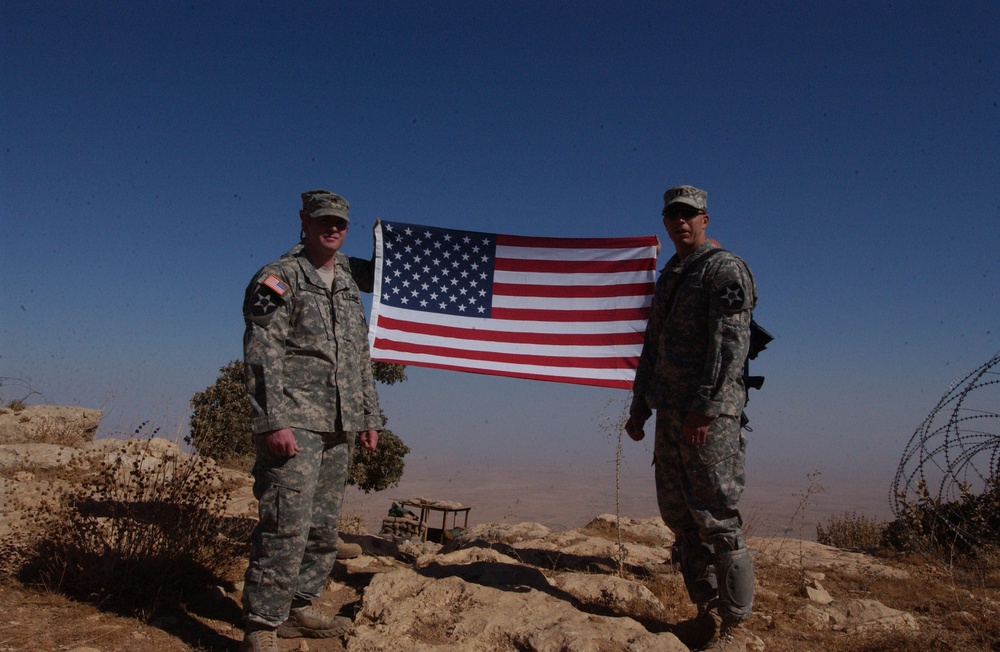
x=759 y=339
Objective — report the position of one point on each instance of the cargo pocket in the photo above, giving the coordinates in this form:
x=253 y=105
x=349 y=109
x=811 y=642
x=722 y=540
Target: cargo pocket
x=722 y=445
x=280 y=519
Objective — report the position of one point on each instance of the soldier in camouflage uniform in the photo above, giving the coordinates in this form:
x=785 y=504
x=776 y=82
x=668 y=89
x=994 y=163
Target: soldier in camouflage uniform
x=312 y=393
x=690 y=372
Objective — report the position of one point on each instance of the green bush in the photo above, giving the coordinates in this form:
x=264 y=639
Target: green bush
x=379 y=469
x=388 y=373
x=220 y=420
x=220 y=429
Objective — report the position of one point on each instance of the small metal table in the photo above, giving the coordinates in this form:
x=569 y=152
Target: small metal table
x=446 y=509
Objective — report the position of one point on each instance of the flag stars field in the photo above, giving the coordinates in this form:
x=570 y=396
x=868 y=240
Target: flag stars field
x=557 y=309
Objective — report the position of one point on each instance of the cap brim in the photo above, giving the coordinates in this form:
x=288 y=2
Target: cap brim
x=329 y=212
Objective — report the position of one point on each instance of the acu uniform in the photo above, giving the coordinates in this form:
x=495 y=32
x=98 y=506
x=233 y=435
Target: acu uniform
x=696 y=342
x=308 y=369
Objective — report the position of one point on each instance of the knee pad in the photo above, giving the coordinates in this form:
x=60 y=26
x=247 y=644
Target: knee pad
x=697 y=569
x=735 y=577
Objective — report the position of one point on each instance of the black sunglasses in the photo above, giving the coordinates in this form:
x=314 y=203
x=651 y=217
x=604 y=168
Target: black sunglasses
x=678 y=212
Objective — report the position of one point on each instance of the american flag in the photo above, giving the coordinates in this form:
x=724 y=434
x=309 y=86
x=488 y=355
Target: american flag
x=569 y=310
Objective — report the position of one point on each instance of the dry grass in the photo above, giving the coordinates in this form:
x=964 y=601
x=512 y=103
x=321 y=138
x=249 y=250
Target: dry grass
x=950 y=617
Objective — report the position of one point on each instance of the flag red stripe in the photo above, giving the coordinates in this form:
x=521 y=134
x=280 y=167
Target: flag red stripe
x=575 y=243
x=553 y=361
x=570 y=291
x=573 y=266
x=520 y=337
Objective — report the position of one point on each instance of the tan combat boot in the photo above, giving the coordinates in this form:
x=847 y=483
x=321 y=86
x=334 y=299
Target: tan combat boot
x=259 y=639
x=347 y=550
x=733 y=637
x=700 y=631
x=309 y=621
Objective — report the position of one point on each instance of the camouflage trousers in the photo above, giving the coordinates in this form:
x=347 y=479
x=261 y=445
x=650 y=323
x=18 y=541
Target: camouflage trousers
x=697 y=491
x=294 y=545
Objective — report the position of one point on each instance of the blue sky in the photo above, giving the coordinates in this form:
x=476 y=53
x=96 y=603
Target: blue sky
x=153 y=154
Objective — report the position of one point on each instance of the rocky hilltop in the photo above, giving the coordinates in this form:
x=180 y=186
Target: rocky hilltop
x=604 y=587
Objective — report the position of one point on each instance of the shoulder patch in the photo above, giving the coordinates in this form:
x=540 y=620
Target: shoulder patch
x=262 y=303
x=732 y=296
x=278 y=286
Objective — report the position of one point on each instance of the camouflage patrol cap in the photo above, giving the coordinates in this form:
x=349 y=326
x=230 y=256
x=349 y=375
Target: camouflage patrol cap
x=688 y=195
x=323 y=203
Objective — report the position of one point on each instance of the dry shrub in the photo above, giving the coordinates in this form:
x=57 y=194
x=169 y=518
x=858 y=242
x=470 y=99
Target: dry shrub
x=16 y=405
x=852 y=532
x=352 y=524
x=141 y=532
x=668 y=587
x=967 y=526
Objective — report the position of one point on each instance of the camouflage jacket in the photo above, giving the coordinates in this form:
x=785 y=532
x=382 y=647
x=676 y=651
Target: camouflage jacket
x=693 y=353
x=306 y=349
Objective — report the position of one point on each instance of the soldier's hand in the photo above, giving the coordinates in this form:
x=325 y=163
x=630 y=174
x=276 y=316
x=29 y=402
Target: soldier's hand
x=281 y=443
x=696 y=428
x=369 y=439
x=634 y=428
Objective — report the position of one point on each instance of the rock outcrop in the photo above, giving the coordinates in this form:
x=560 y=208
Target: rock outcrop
x=48 y=424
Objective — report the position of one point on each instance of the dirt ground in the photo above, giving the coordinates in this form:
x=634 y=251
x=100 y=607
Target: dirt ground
x=41 y=621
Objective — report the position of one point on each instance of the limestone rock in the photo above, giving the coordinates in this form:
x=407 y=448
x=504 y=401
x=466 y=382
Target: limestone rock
x=812 y=556
x=855 y=615
x=815 y=592
x=28 y=456
x=652 y=530
x=495 y=608
x=574 y=549
x=48 y=424
x=612 y=595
